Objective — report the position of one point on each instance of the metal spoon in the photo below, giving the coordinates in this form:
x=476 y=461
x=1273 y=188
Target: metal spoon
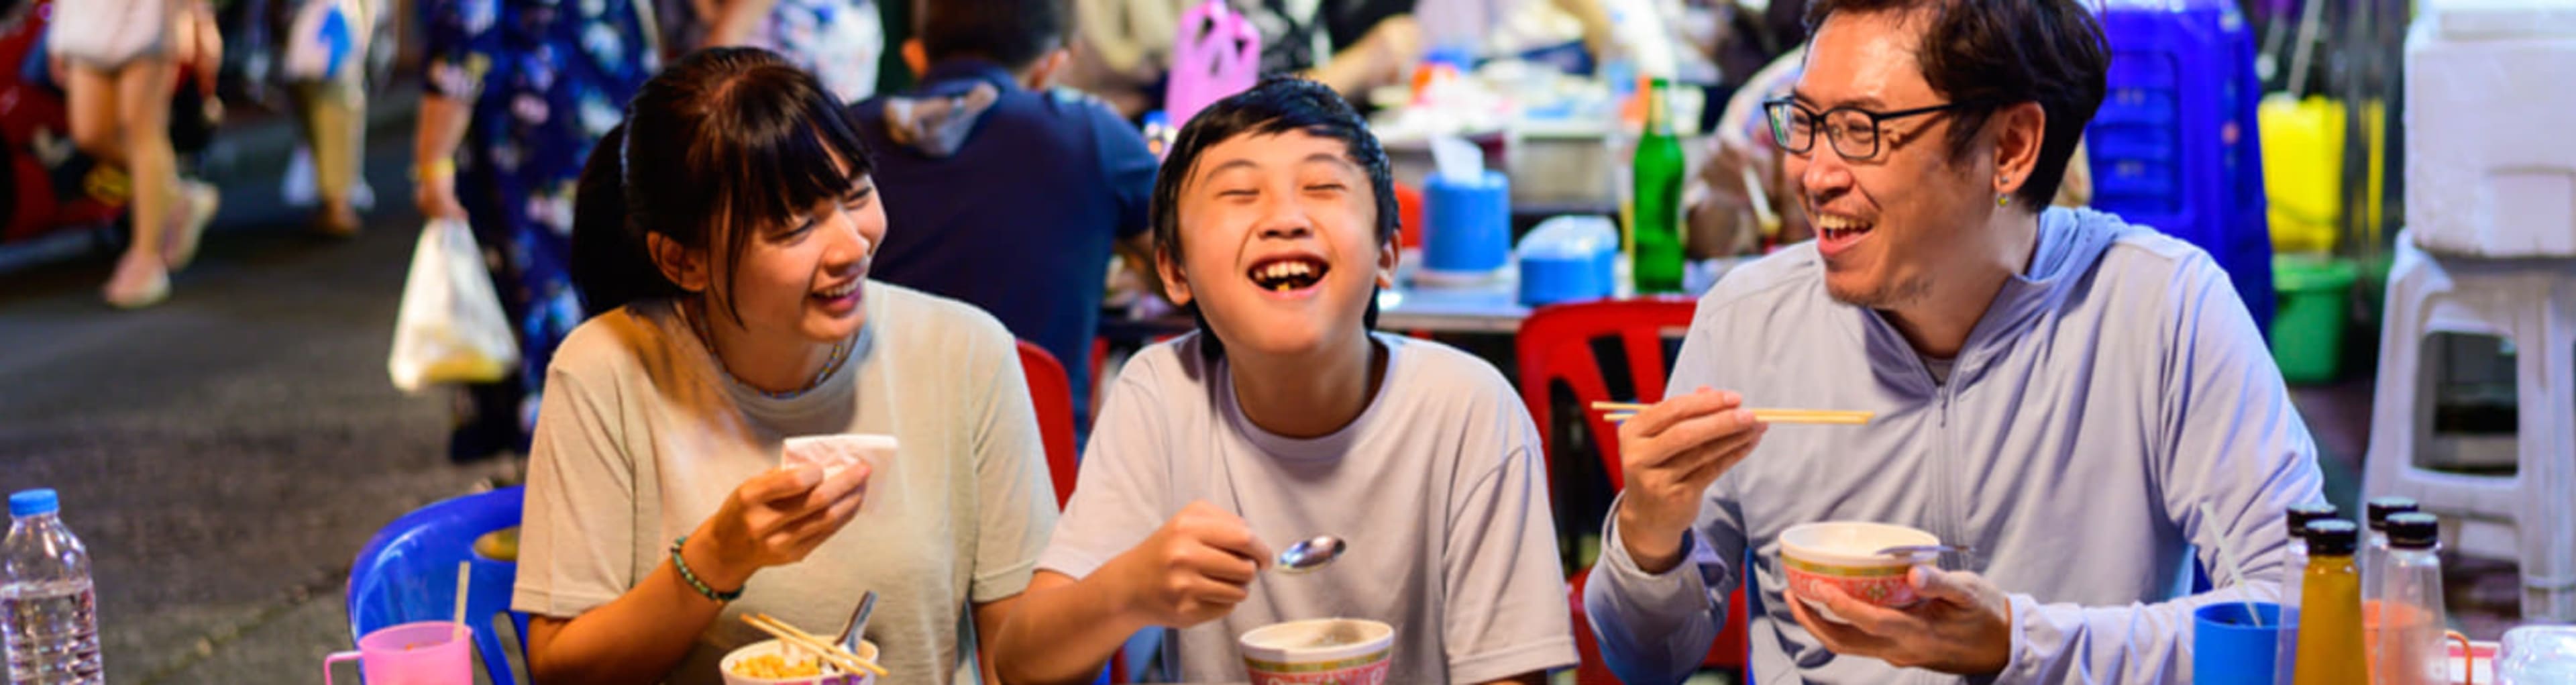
x=1911 y=550
x=1310 y=554
x=858 y=622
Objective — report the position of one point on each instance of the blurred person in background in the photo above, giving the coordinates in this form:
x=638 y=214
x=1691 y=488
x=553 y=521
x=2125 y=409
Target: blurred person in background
x=839 y=41
x=1351 y=45
x=517 y=93
x=118 y=62
x=1123 y=48
x=328 y=89
x=1573 y=35
x=1121 y=51
x=984 y=119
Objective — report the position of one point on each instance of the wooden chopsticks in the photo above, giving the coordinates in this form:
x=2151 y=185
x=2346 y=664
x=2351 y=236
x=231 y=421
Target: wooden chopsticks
x=1622 y=411
x=849 y=663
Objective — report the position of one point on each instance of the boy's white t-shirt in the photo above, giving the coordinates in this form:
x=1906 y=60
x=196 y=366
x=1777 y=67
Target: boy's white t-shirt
x=641 y=438
x=1438 y=488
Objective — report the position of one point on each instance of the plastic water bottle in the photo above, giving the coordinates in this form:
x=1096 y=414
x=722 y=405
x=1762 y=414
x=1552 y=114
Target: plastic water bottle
x=2374 y=547
x=2409 y=643
x=48 y=610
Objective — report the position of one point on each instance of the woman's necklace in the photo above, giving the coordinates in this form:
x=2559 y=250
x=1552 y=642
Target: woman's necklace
x=698 y=324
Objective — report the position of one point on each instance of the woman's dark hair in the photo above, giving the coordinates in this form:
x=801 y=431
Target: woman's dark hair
x=1277 y=105
x=1993 y=55
x=724 y=143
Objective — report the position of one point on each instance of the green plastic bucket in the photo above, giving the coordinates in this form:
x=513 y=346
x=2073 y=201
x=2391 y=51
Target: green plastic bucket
x=2307 y=329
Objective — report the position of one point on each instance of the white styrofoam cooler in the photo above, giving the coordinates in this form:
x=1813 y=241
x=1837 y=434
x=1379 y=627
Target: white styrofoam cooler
x=2489 y=170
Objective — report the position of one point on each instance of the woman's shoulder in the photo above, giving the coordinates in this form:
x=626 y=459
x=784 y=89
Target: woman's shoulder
x=935 y=321
x=620 y=343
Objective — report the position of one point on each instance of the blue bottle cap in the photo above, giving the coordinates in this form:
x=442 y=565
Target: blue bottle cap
x=33 y=502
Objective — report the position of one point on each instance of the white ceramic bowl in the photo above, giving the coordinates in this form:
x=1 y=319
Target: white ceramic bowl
x=1844 y=554
x=831 y=675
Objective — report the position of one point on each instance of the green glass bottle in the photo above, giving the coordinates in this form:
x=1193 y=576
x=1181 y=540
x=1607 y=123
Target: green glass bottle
x=1657 y=197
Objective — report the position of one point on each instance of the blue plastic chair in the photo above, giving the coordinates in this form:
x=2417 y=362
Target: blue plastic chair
x=408 y=573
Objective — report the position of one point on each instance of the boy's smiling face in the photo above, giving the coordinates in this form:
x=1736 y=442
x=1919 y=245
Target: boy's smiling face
x=1279 y=242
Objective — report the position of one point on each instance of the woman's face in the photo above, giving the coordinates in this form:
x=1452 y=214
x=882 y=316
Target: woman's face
x=804 y=278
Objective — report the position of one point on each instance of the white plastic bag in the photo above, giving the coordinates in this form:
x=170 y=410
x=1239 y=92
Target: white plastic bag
x=451 y=328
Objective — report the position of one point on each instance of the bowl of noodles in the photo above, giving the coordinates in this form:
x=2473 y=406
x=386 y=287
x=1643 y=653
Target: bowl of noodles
x=768 y=662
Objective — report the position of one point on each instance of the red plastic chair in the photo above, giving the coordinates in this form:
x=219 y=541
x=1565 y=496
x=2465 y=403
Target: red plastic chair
x=1051 y=392
x=1555 y=345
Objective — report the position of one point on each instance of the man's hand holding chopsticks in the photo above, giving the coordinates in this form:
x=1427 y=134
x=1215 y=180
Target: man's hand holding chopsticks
x=1671 y=452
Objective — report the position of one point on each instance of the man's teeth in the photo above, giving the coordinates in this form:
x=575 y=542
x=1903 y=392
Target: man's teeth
x=842 y=291
x=1839 y=227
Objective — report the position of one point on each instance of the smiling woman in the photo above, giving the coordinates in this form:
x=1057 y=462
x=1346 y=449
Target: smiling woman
x=725 y=235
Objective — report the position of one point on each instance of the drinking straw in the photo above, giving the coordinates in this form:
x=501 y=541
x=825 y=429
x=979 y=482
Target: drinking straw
x=2234 y=565
x=464 y=571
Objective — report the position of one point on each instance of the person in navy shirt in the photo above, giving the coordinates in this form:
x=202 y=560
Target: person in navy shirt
x=1004 y=192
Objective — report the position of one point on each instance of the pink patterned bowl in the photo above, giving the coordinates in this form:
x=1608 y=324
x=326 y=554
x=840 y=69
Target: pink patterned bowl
x=1347 y=651
x=1844 y=554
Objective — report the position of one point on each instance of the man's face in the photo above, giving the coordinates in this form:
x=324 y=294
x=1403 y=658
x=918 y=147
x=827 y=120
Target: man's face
x=1890 y=225
x=1279 y=242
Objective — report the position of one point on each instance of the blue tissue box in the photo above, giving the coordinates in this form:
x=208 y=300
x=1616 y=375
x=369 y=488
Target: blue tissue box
x=1467 y=225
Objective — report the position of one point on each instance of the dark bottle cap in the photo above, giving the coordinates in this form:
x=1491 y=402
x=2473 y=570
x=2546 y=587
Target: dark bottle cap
x=2380 y=507
x=2302 y=514
x=2413 y=530
x=2332 y=537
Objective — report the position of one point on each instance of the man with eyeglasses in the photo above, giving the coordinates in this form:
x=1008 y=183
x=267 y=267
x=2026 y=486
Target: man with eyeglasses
x=2082 y=404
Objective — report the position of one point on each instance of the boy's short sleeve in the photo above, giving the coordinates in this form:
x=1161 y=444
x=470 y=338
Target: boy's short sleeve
x=1506 y=590
x=1119 y=496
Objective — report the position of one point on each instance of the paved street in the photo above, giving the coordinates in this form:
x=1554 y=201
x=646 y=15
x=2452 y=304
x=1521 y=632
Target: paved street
x=226 y=453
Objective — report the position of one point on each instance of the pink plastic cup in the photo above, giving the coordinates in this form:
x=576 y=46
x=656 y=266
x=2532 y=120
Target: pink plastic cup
x=423 y=653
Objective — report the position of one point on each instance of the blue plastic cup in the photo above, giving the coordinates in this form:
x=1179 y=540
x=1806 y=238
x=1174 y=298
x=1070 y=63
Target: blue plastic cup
x=2229 y=649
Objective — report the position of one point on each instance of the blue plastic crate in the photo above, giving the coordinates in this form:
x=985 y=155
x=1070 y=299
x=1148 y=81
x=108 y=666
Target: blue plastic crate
x=2174 y=146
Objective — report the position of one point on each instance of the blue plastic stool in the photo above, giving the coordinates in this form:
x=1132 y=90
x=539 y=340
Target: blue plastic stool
x=408 y=573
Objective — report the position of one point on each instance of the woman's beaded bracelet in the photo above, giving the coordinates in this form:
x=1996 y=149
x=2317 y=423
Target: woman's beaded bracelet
x=692 y=577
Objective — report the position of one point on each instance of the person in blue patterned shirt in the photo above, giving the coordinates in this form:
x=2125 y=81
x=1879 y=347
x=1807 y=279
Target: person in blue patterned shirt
x=517 y=92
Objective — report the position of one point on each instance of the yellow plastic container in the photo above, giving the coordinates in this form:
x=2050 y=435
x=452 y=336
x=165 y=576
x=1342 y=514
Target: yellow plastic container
x=2302 y=170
